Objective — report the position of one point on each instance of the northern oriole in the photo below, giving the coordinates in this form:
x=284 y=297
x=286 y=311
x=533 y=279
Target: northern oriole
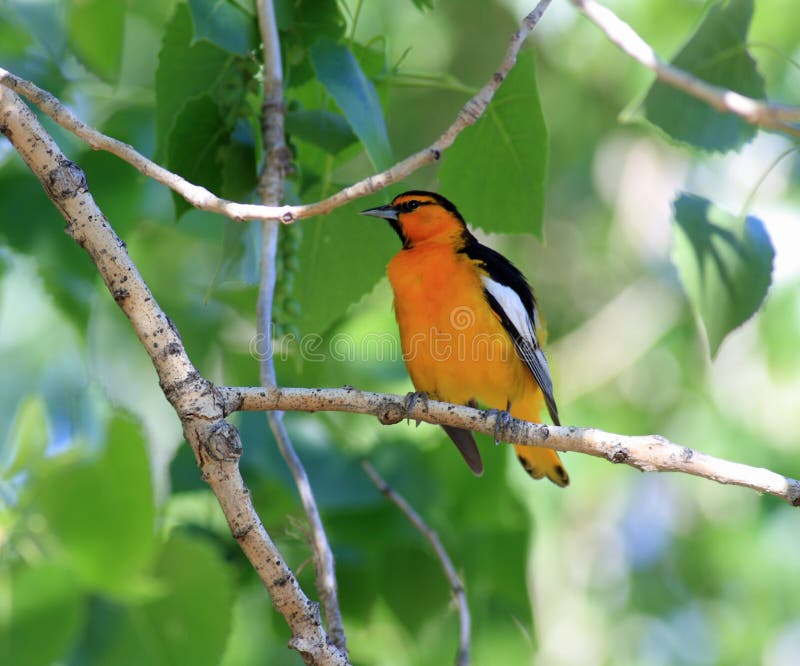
x=470 y=330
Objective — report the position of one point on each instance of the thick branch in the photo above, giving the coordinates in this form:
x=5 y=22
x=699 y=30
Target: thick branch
x=462 y=657
x=199 y=197
x=216 y=443
x=771 y=116
x=648 y=453
x=270 y=192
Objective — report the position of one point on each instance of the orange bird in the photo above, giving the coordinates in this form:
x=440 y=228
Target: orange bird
x=469 y=326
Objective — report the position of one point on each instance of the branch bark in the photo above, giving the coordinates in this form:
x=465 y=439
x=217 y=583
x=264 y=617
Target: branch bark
x=647 y=453
x=197 y=403
x=464 y=640
x=270 y=192
x=770 y=116
x=201 y=198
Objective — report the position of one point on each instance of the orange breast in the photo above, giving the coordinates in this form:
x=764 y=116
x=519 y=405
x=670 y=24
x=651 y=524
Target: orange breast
x=454 y=346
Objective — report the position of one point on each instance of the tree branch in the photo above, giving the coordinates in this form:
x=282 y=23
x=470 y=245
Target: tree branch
x=647 y=453
x=270 y=192
x=462 y=657
x=201 y=198
x=770 y=116
x=199 y=406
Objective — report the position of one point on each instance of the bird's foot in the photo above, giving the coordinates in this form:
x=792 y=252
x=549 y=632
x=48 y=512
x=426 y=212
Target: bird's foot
x=411 y=400
x=503 y=420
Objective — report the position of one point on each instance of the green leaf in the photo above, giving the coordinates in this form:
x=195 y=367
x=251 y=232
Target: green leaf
x=30 y=432
x=238 y=157
x=195 y=147
x=225 y=24
x=779 y=328
x=102 y=511
x=724 y=262
x=349 y=246
x=309 y=20
x=96 y=30
x=188 y=623
x=41 y=611
x=324 y=129
x=238 y=266
x=46 y=23
x=495 y=171
x=186 y=71
x=717 y=54
x=339 y=71
x=68 y=274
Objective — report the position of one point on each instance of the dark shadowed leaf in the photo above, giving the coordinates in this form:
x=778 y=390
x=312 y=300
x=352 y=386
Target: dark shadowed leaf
x=339 y=71
x=325 y=129
x=238 y=159
x=495 y=171
x=187 y=623
x=310 y=20
x=716 y=53
x=225 y=24
x=195 y=147
x=724 y=262
x=185 y=71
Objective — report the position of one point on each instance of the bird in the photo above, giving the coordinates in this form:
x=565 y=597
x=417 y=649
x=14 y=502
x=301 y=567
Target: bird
x=470 y=329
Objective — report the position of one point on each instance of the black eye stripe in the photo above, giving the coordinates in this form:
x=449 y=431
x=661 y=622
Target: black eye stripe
x=408 y=206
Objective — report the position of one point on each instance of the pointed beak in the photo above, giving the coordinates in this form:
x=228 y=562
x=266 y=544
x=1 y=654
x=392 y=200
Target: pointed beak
x=386 y=212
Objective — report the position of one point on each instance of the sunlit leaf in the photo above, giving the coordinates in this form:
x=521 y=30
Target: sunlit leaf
x=28 y=437
x=96 y=31
x=41 y=612
x=102 y=512
x=495 y=171
x=779 y=327
x=717 y=54
x=724 y=262
x=349 y=246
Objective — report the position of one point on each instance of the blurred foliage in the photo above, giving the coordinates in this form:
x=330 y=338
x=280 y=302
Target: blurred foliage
x=112 y=550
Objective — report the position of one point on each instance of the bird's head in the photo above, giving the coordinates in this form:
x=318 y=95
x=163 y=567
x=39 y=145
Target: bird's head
x=419 y=217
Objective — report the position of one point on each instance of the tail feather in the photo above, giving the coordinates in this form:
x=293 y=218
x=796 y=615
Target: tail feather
x=464 y=440
x=539 y=462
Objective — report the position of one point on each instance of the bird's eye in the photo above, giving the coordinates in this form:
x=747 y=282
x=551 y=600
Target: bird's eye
x=408 y=206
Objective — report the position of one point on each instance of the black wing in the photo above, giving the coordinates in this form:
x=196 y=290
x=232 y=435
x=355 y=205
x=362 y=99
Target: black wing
x=510 y=297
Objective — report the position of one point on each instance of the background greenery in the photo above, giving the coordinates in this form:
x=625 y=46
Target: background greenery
x=632 y=230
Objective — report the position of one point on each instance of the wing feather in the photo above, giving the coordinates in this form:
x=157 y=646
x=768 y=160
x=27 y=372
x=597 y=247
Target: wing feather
x=511 y=298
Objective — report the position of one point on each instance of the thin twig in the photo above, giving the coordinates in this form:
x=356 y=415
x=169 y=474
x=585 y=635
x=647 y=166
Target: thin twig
x=215 y=442
x=648 y=453
x=201 y=198
x=270 y=192
x=771 y=116
x=462 y=657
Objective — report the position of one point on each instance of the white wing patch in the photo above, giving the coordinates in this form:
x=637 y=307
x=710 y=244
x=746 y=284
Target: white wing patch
x=513 y=307
x=528 y=344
